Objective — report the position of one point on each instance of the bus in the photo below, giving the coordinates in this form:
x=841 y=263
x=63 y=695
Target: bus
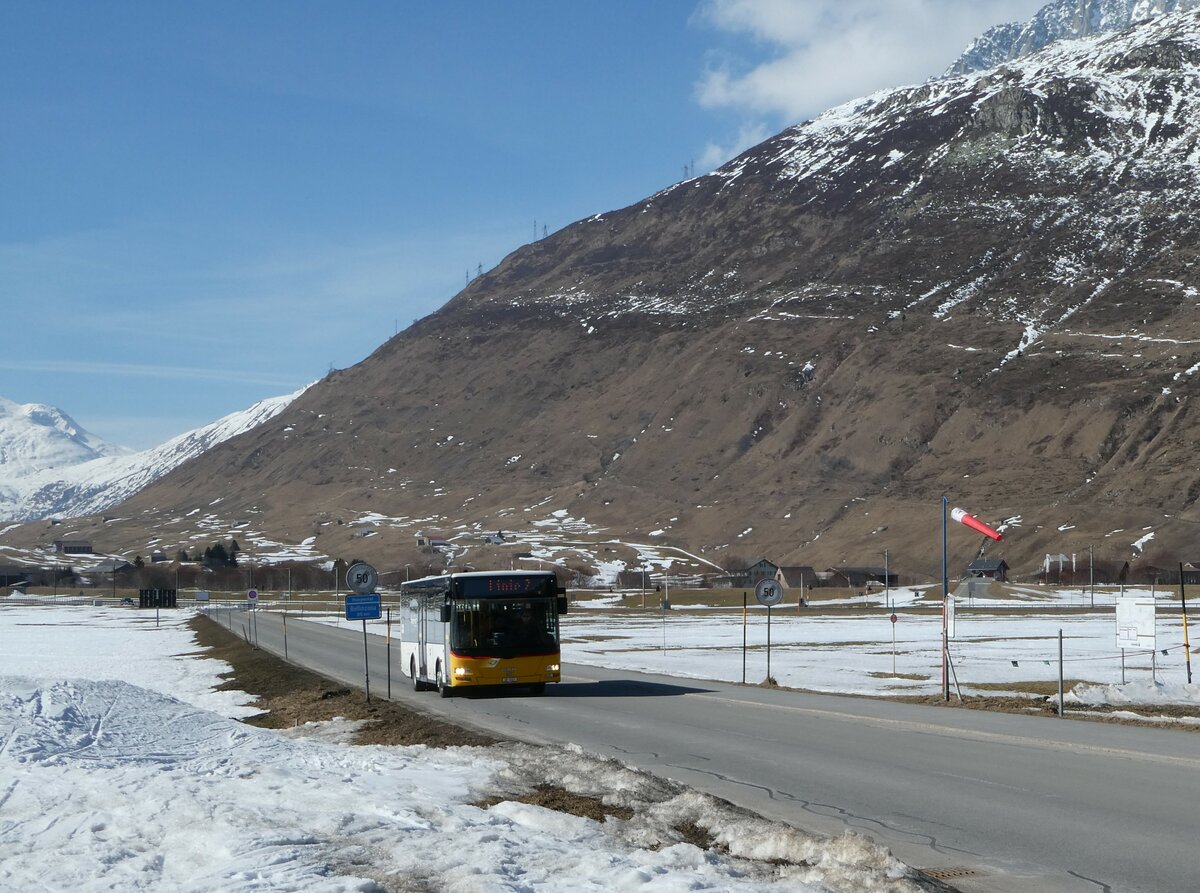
x=481 y=628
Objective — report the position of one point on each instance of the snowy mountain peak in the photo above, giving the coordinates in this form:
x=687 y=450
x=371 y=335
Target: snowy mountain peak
x=35 y=437
x=79 y=474
x=1060 y=20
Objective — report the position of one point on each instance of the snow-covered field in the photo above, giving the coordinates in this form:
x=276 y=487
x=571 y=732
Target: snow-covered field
x=999 y=646
x=121 y=769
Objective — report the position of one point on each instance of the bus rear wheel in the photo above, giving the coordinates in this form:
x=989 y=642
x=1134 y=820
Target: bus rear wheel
x=417 y=684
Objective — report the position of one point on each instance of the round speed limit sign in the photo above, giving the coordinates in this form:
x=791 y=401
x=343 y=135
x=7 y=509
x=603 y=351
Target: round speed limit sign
x=361 y=577
x=768 y=593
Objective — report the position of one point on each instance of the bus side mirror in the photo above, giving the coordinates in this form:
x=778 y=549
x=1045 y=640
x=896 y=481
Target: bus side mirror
x=445 y=616
x=562 y=604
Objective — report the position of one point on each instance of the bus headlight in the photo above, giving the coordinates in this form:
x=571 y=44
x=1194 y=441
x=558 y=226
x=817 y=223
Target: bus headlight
x=461 y=671
x=552 y=668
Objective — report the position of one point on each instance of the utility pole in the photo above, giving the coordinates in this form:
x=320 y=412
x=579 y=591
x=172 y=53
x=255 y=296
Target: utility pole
x=1092 y=573
x=1187 y=651
x=887 y=596
x=945 y=600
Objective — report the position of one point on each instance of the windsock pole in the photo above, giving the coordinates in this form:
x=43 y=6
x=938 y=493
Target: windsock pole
x=945 y=596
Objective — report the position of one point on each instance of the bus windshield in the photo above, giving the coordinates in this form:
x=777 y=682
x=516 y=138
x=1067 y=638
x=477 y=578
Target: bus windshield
x=504 y=627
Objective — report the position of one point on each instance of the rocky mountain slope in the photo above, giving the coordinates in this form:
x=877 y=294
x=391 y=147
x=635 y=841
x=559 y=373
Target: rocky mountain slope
x=985 y=286
x=51 y=467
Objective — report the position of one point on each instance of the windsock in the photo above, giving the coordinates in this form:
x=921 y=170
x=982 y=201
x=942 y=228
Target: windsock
x=974 y=523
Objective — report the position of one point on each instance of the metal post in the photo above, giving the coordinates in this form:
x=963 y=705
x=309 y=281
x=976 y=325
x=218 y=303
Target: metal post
x=1187 y=651
x=893 y=648
x=1060 y=673
x=768 y=644
x=945 y=596
x=1092 y=573
x=366 y=668
x=743 y=638
x=887 y=589
x=389 y=652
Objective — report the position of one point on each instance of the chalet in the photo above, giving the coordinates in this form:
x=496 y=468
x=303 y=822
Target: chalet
x=73 y=547
x=796 y=577
x=158 y=557
x=761 y=570
x=859 y=577
x=989 y=568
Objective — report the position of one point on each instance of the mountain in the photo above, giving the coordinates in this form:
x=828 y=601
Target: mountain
x=51 y=467
x=1060 y=20
x=35 y=437
x=983 y=287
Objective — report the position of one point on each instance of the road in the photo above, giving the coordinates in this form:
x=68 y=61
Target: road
x=988 y=801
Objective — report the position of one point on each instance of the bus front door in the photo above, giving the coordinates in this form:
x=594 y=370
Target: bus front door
x=422 y=629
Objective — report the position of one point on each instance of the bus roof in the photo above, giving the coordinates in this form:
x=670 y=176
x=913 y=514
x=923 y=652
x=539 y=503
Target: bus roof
x=480 y=575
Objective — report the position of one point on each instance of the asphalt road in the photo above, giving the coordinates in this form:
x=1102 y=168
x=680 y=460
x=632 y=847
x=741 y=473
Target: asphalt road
x=992 y=802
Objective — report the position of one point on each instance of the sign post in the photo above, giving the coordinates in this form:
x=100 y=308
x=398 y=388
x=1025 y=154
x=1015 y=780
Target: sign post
x=743 y=638
x=364 y=606
x=893 y=646
x=1187 y=650
x=768 y=593
x=252 y=598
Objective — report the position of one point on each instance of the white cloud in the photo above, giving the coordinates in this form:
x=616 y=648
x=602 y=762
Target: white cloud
x=748 y=135
x=816 y=54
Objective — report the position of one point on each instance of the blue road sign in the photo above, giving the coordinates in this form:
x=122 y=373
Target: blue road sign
x=363 y=607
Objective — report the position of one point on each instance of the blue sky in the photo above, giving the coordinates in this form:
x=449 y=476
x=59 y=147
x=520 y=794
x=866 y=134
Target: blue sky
x=208 y=204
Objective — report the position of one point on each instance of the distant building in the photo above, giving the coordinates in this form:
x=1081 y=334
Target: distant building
x=761 y=570
x=634 y=580
x=796 y=577
x=989 y=568
x=157 y=557
x=432 y=542
x=12 y=575
x=73 y=547
x=117 y=565
x=859 y=577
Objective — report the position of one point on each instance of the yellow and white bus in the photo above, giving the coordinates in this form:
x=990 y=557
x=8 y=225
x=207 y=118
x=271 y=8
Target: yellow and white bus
x=481 y=628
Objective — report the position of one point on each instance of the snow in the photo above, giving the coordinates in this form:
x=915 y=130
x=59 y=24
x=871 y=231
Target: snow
x=51 y=466
x=122 y=769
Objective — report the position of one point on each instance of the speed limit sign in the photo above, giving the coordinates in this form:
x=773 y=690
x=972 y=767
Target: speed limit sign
x=768 y=593
x=361 y=578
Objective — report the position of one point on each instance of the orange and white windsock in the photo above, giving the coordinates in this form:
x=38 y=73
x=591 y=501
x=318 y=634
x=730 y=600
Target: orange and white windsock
x=975 y=524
